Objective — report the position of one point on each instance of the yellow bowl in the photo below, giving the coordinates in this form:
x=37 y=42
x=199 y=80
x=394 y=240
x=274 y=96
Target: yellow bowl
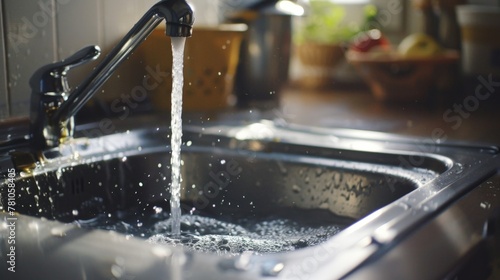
x=394 y=77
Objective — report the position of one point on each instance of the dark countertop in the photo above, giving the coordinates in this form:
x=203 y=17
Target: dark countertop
x=347 y=107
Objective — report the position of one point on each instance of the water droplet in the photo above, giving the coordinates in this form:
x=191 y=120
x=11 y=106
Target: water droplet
x=319 y=171
x=58 y=231
x=272 y=268
x=324 y=205
x=485 y=205
x=404 y=206
x=58 y=174
x=296 y=189
x=158 y=210
x=117 y=271
x=161 y=252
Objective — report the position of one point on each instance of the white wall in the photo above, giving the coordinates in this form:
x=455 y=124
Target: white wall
x=44 y=31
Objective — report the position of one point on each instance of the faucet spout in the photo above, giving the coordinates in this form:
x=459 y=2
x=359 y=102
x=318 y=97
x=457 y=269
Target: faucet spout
x=179 y=19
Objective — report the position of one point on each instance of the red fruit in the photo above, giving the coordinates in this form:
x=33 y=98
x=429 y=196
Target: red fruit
x=369 y=40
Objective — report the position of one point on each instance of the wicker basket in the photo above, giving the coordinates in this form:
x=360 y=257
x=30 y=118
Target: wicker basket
x=210 y=60
x=320 y=55
x=392 y=77
x=319 y=61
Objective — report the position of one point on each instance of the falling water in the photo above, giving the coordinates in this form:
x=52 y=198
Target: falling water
x=176 y=125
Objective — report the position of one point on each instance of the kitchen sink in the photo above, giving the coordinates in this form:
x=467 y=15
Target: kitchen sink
x=71 y=208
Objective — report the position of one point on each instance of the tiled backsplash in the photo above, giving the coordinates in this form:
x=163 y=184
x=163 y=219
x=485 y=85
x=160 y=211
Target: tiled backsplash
x=43 y=31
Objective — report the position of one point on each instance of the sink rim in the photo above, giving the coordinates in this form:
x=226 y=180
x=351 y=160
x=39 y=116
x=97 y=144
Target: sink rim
x=388 y=224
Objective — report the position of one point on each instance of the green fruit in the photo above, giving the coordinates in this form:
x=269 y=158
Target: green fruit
x=419 y=45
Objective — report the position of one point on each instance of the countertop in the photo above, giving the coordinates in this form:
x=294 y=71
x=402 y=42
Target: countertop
x=459 y=117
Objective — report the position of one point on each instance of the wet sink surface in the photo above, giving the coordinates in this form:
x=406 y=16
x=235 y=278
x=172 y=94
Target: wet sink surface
x=221 y=176
x=237 y=174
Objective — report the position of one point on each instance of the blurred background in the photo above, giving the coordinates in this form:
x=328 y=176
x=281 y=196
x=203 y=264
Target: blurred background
x=395 y=66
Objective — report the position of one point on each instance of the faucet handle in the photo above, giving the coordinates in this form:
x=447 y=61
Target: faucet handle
x=86 y=54
x=51 y=78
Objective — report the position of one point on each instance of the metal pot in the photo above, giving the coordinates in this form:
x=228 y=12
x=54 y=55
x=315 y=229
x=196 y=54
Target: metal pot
x=265 y=51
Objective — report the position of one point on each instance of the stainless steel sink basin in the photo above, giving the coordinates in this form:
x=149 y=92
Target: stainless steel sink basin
x=380 y=187
x=218 y=169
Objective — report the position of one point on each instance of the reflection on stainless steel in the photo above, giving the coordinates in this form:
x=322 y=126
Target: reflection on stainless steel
x=405 y=201
x=53 y=106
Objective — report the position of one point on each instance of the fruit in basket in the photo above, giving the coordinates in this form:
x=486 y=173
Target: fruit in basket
x=369 y=41
x=419 y=45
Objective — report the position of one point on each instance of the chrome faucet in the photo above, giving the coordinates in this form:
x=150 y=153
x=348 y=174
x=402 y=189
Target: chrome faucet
x=53 y=106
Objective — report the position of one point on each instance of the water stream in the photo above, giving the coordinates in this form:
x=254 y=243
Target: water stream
x=178 y=44
x=213 y=235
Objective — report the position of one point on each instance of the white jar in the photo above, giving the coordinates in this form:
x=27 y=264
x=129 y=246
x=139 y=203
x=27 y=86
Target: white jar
x=480 y=26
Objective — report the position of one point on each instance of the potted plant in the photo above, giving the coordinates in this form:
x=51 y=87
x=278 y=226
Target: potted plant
x=320 y=39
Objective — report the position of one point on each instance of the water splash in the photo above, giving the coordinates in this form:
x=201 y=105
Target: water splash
x=178 y=44
x=285 y=230
x=270 y=235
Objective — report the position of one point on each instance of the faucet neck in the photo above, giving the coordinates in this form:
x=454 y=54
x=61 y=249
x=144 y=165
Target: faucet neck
x=179 y=19
x=53 y=110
